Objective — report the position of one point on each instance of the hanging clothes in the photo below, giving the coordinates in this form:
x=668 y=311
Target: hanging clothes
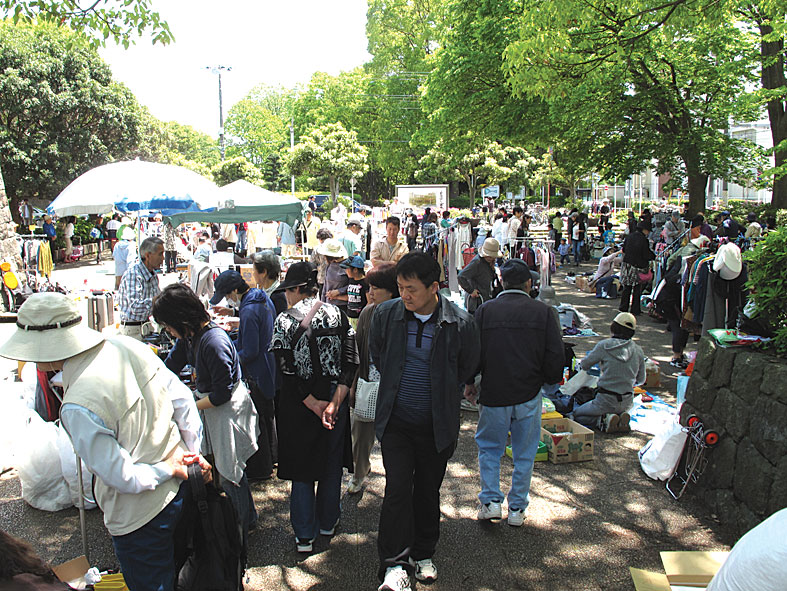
x=45 y=264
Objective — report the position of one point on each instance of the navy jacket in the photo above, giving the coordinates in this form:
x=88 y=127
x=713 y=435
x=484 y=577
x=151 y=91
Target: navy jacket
x=254 y=338
x=455 y=354
x=521 y=348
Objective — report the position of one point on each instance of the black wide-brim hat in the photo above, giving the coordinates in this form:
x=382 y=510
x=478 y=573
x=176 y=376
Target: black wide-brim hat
x=300 y=273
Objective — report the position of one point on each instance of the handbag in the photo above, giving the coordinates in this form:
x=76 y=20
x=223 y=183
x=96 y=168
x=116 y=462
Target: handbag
x=365 y=400
x=645 y=277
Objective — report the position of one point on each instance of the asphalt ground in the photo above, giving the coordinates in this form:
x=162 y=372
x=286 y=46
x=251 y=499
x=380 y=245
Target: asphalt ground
x=586 y=524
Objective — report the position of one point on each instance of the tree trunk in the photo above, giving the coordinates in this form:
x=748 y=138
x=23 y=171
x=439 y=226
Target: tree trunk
x=333 y=187
x=697 y=184
x=773 y=78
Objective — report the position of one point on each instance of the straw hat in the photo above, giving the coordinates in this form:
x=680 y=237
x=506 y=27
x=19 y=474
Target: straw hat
x=490 y=248
x=332 y=248
x=49 y=328
x=728 y=262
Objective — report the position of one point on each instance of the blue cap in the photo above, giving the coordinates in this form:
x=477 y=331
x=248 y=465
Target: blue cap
x=225 y=283
x=354 y=261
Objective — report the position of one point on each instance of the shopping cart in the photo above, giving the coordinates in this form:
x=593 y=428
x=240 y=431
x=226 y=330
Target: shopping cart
x=694 y=459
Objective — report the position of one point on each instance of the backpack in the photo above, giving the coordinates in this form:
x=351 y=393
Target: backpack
x=210 y=554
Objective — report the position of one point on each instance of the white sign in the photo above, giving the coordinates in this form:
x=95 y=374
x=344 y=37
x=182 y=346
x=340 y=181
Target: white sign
x=422 y=196
x=492 y=191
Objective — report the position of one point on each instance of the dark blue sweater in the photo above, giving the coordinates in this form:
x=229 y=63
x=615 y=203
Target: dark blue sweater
x=254 y=339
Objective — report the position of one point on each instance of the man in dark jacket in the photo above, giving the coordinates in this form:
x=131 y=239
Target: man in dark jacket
x=425 y=349
x=636 y=260
x=521 y=350
x=478 y=278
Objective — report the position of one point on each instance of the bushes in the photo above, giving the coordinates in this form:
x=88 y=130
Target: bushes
x=739 y=208
x=767 y=278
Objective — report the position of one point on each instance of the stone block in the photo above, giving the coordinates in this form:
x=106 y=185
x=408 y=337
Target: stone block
x=723 y=505
x=720 y=471
x=736 y=412
x=768 y=428
x=774 y=381
x=700 y=394
x=753 y=478
x=747 y=519
x=747 y=374
x=723 y=362
x=778 y=498
x=706 y=352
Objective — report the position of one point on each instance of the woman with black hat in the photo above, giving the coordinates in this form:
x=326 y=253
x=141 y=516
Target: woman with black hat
x=318 y=357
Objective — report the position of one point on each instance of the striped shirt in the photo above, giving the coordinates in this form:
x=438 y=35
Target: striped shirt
x=138 y=287
x=414 y=399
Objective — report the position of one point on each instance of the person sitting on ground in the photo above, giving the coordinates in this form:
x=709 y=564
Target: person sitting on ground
x=622 y=364
x=21 y=569
x=607 y=264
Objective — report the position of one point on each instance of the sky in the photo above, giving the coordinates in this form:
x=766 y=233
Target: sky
x=273 y=42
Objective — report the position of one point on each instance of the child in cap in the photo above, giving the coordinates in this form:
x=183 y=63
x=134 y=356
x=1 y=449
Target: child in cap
x=356 y=289
x=622 y=364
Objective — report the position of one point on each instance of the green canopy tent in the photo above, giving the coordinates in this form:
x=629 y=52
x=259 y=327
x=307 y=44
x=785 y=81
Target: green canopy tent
x=242 y=201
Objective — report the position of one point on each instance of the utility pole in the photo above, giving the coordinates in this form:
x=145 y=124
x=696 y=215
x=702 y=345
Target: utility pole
x=292 y=147
x=217 y=70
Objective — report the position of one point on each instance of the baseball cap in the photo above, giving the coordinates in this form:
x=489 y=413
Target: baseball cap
x=626 y=320
x=515 y=272
x=225 y=283
x=354 y=261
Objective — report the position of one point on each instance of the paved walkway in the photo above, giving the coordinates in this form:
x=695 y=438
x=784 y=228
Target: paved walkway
x=586 y=524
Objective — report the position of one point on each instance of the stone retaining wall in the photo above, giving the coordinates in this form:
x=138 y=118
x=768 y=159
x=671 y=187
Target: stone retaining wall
x=741 y=394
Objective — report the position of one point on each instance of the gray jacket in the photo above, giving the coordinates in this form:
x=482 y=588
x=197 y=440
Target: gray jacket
x=622 y=364
x=478 y=274
x=455 y=356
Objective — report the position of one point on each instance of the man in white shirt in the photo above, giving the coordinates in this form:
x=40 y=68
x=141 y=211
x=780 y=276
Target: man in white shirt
x=130 y=419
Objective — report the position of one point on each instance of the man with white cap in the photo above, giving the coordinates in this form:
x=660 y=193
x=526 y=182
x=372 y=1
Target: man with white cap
x=622 y=364
x=139 y=286
x=479 y=278
x=136 y=428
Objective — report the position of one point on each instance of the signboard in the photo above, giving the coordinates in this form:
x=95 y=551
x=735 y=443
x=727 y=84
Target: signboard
x=422 y=196
x=492 y=191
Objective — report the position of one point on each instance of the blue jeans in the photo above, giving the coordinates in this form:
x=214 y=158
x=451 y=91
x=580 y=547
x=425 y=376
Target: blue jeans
x=576 y=246
x=310 y=513
x=523 y=421
x=147 y=555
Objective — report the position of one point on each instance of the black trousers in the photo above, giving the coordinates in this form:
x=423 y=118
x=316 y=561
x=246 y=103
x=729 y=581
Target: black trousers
x=260 y=465
x=171 y=260
x=410 y=514
x=680 y=336
x=627 y=301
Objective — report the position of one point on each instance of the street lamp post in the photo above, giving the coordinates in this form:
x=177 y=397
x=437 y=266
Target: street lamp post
x=217 y=70
x=292 y=147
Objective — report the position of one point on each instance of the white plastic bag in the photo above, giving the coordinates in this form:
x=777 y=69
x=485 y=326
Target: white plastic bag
x=68 y=466
x=580 y=380
x=38 y=462
x=660 y=456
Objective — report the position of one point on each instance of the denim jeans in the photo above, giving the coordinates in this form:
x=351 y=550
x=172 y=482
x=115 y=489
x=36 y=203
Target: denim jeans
x=310 y=512
x=523 y=421
x=147 y=555
x=576 y=246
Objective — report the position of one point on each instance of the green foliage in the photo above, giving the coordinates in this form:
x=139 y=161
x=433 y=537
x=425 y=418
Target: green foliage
x=236 y=169
x=329 y=151
x=257 y=126
x=181 y=143
x=120 y=21
x=740 y=208
x=60 y=111
x=767 y=267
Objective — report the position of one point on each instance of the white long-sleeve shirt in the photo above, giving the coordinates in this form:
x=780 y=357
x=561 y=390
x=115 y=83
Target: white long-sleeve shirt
x=97 y=445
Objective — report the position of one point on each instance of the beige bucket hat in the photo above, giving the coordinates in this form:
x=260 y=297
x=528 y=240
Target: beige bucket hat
x=49 y=328
x=332 y=248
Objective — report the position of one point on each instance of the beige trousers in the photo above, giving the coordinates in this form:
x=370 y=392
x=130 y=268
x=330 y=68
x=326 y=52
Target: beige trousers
x=363 y=441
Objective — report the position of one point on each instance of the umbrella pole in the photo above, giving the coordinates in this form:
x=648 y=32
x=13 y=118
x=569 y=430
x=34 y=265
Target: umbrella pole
x=82 y=523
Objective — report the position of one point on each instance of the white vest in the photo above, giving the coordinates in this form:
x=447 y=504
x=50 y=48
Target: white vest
x=121 y=381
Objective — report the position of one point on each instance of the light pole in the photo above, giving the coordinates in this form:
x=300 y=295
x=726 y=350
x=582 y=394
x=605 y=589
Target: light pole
x=292 y=147
x=218 y=70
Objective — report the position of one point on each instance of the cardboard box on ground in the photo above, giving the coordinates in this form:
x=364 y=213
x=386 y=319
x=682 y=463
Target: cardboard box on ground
x=583 y=282
x=566 y=441
x=684 y=570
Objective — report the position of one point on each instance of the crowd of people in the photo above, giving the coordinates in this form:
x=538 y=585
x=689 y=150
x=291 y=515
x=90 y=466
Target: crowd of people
x=360 y=318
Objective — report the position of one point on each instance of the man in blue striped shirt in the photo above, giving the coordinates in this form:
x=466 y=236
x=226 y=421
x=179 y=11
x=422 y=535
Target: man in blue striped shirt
x=425 y=348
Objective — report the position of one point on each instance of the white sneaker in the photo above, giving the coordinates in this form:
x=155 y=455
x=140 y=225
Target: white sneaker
x=490 y=511
x=329 y=532
x=425 y=570
x=516 y=517
x=610 y=422
x=396 y=579
x=355 y=487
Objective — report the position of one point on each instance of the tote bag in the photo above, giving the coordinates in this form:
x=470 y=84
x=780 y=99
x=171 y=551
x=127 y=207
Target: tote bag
x=365 y=400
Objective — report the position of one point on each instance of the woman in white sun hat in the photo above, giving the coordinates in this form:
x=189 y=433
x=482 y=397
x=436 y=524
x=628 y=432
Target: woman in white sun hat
x=130 y=419
x=334 y=290
x=479 y=278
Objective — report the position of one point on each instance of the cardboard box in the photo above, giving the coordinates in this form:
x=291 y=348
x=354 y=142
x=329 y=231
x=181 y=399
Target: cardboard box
x=685 y=570
x=541 y=454
x=583 y=283
x=245 y=272
x=652 y=378
x=577 y=446
x=71 y=572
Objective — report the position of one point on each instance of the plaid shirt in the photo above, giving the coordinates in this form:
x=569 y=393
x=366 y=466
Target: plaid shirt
x=138 y=287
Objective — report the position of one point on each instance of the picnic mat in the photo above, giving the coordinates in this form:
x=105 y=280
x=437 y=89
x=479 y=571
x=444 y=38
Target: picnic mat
x=650 y=417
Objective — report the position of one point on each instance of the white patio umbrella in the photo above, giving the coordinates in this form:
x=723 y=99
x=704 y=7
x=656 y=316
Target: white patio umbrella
x=133 y=186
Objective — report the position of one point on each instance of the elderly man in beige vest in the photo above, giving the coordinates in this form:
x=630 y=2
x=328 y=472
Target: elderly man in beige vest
x=130 y=419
